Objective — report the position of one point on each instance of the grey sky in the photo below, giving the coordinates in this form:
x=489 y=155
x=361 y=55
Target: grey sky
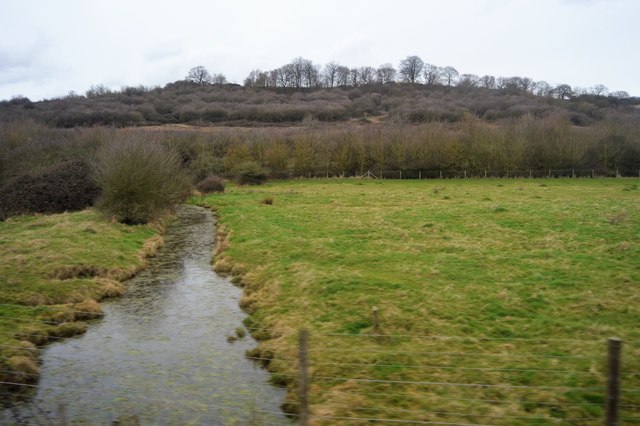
x=48 y=48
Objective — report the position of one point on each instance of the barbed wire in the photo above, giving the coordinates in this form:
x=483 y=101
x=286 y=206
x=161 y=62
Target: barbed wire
x=443 y=367
x=494 y=354
x=454 y=384
x=492 y=401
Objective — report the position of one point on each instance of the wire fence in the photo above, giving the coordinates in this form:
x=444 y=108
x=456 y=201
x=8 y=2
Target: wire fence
x=471 y=173
x=404 y=378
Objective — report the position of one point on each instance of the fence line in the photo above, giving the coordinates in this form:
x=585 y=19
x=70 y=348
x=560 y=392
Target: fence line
x=492 y=401
x=491 y=354
x=477 y=385
x=476 y=173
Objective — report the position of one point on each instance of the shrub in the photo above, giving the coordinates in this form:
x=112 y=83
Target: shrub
x=139 y=179
x=249 y=173
x=210 y=184
x=66 y=186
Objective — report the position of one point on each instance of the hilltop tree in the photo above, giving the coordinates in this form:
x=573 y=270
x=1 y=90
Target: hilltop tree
x=367 y=75
x=330 y=73
x=410 y=69
x=199 y=75
x=563 y=91
x=432 y=75
x=219 y=79
x=385 y=74
x=599 y=90
x=342 y=76
x=488 y=81
x=450 y=75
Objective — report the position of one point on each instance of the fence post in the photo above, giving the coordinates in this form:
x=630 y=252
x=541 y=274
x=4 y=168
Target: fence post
x=613 y=381
x=420 y=175
x=485 y=173
x=376 y=323
x=303 y=386
x=400 y=174
x=440 y=174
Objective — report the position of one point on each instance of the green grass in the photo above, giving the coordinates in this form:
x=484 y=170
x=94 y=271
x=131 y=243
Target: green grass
x=52 y=269
x=514 y=259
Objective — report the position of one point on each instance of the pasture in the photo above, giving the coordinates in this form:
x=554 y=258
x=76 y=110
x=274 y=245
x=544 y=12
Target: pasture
x=495 y=297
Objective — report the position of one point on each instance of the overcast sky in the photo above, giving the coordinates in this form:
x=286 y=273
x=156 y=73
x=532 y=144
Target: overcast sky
x=50 y=47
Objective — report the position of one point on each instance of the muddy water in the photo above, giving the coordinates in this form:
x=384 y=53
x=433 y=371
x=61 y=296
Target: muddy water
x=161 y=355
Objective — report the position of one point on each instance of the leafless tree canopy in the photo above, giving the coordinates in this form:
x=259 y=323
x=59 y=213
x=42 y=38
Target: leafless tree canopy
x=199 y=75
x=410 y=69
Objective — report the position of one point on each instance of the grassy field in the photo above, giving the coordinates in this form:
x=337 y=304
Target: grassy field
x=509 y=284
x=53 y=269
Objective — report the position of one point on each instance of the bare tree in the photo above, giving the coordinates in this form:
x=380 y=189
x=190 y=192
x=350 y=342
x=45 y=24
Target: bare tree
x=354 y=76
x=450 y=75
x=298 y=66
x=385 y=74
x=199 y=75
x=311 y=74
x=432 y=75
x=330 y=73
x=219 y=79
x=488 y=82
x=410 y=69
x=563 y=91
x=542 y=88
x=599 y=90
x=367 y=75
x=257 y=78
x=620 y=94
x=342 y=76
x=97 y=90
x=468 y=80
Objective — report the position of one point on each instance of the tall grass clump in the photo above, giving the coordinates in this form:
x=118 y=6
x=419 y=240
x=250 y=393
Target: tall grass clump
x=139 y=178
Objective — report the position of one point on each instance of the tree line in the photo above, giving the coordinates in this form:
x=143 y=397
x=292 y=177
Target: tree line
x=303 y=73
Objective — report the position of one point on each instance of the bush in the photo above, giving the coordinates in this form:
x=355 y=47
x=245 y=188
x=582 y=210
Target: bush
x=66 y=186
x=250 y=173
x=210 y=184
x=139 y=179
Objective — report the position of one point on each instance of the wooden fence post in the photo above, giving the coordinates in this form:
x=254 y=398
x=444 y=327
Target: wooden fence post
x=613 y=381
x=376 y=321
x=303 y=386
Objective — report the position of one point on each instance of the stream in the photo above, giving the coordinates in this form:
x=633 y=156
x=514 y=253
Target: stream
x=160 y=355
